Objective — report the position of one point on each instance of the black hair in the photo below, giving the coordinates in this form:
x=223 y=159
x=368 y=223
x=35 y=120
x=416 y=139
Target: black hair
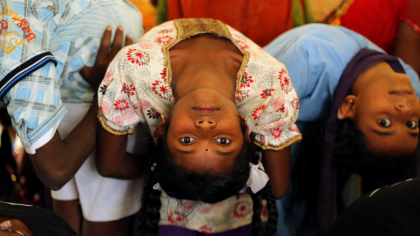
x=377 y=168
x=181 y=184
x=350 y=156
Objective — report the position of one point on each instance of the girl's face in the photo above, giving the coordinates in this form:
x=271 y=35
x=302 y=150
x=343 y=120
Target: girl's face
x=204 y=132
x=387 y=111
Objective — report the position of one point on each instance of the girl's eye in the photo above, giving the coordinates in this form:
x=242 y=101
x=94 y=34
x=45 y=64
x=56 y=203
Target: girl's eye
x=384 y=122
x=187 y=140
x=223 y=141
x=412 y=124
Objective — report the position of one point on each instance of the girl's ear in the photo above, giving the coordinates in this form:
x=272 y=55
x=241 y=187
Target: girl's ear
x=347 y=108
x=162 y=126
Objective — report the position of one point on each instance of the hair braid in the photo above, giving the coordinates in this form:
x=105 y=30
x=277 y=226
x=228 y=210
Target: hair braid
x=256 y=217
x=272 y=211
x=149 y=215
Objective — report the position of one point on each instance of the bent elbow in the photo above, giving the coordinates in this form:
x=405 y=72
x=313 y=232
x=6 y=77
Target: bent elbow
x=55 y=181
x=105 y=171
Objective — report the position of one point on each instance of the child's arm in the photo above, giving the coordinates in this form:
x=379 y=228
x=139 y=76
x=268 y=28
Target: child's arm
x=277 y=166
x=58 y=160
x=113 y=161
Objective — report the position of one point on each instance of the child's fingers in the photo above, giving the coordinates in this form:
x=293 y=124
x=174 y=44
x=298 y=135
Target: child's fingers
x=118 y=41
x=105 y=43
x=128 y=40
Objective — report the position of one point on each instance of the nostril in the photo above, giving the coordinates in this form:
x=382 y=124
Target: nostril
x=200 y=122
x=210 y=122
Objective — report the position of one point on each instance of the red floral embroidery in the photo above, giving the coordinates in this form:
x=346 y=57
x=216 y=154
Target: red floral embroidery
x=174 y=218
x=295 y=103
x=121 y=105
x=286 y=81
x=145 y=45
x=164 y=39
x=137 y=56
x=246 y=80
x=241 y=95
x=242 y=44
x=276 y=133
x=107 y=78
x=128 y=89
x=242 y=209
x=257 y=113
x=187 y=206
x=105 y=108
x=266 y=93
x=163 y=74
x=166 y=31
x=162 y=90
x=281 y=73
x=144 y=104
x=281 y=109
x=205 y=229
x=152 y=113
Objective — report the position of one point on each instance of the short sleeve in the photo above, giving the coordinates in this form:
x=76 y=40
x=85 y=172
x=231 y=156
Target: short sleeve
x=412 y=15
x=118 y=110
x=134 y=90
x=272 y=121
x=267 y=98
x=35 y=106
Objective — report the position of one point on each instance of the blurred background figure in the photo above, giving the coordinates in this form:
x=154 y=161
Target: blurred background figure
x=259 y=20
x=393 y=25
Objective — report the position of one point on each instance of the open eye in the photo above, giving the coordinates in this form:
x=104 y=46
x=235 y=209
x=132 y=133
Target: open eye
x=411 y=124
x=187 y=140
x=223 y=141
x=384 y=122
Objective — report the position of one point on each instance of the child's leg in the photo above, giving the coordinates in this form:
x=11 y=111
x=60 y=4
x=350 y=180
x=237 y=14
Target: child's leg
x=66 y=205
x=70 y=212
x=112 y=228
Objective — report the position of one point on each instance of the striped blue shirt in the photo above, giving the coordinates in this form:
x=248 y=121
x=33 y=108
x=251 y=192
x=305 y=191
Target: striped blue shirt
x=43 y=46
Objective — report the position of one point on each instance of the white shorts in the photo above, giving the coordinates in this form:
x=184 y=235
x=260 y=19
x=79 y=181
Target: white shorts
x=102 y=199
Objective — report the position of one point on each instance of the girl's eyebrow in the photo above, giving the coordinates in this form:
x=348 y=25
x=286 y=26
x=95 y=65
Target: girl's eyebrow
x=225 y=153
x=185 y=152
x=217 y=152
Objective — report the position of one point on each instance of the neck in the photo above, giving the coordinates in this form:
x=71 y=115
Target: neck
x=205 y=62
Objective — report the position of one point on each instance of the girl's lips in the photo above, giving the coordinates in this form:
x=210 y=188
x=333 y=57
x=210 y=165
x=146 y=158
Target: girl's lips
x=205 y=107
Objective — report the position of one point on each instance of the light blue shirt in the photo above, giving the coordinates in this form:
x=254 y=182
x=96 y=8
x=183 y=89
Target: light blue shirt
x=315 y=56
x=43 y=46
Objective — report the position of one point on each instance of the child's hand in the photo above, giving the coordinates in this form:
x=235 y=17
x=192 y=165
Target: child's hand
x=94 y=75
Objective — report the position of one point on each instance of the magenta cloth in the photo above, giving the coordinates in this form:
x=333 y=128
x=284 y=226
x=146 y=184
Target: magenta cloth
x=327 y=196
x=169 y=230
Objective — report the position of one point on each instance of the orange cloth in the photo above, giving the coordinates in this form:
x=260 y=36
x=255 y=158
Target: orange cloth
x=260 y=20
x=148 y=12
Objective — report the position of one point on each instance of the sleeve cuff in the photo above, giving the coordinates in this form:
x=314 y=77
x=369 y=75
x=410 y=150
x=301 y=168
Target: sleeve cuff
x=44 y=139
x=24 y=70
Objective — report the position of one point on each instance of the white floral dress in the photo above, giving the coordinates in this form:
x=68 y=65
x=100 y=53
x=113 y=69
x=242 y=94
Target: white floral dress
x=136 y=88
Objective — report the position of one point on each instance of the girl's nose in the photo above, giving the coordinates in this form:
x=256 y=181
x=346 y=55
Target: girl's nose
x=205 y=123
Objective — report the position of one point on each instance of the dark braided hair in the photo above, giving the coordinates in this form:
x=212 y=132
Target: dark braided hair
x=181 y=184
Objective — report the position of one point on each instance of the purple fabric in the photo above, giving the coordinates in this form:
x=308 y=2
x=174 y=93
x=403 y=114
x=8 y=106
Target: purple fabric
x=169 y=230
x=327 y=196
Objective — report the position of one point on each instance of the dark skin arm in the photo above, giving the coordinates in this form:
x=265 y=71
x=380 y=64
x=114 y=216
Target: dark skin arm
x=58 y=161
x=408 y=46
x=114 y=162
x=277 y=167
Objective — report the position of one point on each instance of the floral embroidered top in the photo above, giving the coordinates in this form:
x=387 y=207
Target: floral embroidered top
x=136 y=88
